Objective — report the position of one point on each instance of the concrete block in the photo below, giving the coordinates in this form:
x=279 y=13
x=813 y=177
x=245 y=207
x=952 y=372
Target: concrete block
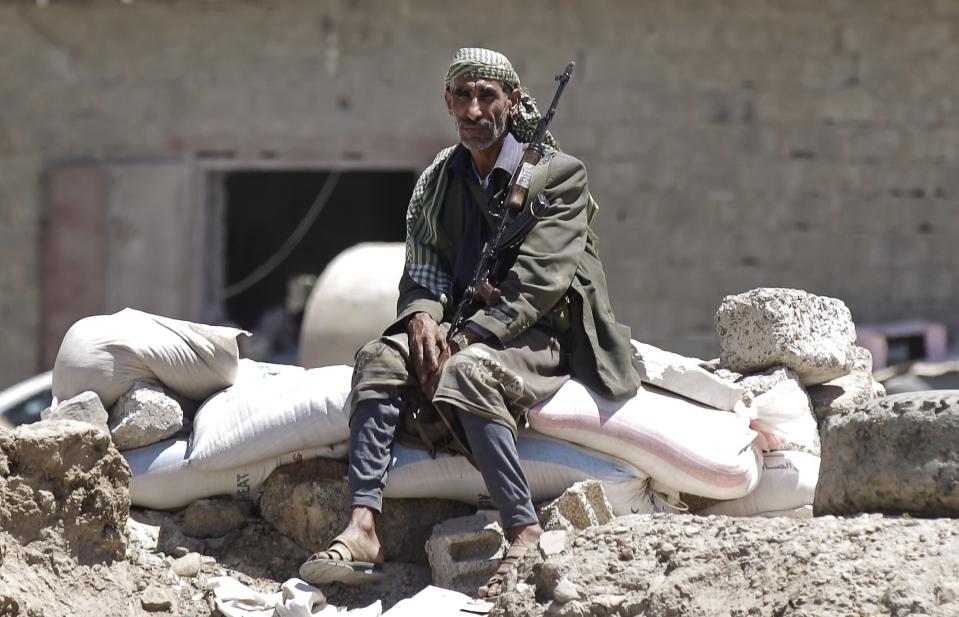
x=812 y=335
x=464 y=552
x=582 y=505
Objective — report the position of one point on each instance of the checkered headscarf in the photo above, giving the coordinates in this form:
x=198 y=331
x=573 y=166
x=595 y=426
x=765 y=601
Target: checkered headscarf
x=482 y=63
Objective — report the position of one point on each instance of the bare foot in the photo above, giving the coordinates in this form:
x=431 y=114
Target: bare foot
x=521 y=539
x=362 y=530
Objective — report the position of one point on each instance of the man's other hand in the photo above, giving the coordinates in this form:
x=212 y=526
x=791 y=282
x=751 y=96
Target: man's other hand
x=428 y=349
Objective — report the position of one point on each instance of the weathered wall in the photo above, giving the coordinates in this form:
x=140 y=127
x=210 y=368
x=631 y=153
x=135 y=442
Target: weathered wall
x=730 y=144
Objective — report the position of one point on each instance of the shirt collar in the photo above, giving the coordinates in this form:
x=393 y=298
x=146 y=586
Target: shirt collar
x=509 y=157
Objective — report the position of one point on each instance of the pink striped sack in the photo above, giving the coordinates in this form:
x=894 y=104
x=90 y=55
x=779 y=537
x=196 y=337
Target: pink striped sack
x=681 y=444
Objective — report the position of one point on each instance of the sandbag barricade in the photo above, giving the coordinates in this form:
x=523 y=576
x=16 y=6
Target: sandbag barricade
x=550 y=467
x=787 y=488
x=162 y=477
x=108 y=353
x=683 y=445
x=267 y=414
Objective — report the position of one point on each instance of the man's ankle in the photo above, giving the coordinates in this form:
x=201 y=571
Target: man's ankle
x=363 y=518
x=526 y=533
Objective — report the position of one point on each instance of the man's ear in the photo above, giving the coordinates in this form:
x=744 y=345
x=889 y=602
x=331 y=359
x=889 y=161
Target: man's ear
x=449 y=100
x=514 y=98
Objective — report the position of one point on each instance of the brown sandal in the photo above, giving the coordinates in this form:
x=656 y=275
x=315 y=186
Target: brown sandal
x=497 y=583
x=343 y=562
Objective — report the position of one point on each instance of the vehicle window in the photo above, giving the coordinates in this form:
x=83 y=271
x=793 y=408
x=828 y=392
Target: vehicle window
x=29 y=410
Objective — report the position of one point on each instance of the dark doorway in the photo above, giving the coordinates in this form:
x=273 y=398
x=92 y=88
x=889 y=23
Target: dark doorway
x=265 y=208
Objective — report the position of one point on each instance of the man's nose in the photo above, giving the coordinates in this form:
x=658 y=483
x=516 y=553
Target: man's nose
x=473 y=110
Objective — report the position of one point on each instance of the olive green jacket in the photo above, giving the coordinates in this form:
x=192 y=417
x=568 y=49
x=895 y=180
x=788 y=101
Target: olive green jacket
x=557 y=269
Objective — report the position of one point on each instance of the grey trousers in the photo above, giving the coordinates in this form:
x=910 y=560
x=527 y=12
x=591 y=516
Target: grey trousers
x=372 y=431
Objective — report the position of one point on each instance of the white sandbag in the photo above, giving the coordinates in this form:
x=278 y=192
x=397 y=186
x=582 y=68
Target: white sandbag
x=784 y=418
x=686 y=446
x=162 y=477
x=802 y=512
x=550 y=466
x=264 y=415
x=108 y=353
x=684 y=376
x=788 y=484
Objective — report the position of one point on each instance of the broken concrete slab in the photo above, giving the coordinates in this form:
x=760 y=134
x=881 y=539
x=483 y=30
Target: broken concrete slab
x=812 y=335
x=464 y=552
x=684 y=376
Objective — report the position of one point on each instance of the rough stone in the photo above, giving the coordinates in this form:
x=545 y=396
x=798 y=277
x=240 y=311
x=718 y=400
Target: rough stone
x=895 y=455
x=214 y=518
x=565 y=591
x=580 y=506
x=757 y=384
x=64 y=484
x=155 y=599
x=812 y=335
x=84 y=407
x=188 y=566
x=844 y=394
x=310 y=504
x=553 y=542
x=464 y=552
x=862 y=359
x=144 y=415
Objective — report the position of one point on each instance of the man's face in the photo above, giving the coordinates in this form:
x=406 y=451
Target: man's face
x=480 y=110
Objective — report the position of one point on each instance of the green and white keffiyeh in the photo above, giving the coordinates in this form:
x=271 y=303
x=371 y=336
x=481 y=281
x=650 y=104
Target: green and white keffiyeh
x=422 y=216
x=482 y=63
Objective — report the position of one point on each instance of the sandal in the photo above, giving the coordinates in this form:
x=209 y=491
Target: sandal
x=496 y=584
x=343 y=562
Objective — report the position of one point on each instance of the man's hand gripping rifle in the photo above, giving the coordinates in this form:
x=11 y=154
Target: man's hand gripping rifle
x=515 y=222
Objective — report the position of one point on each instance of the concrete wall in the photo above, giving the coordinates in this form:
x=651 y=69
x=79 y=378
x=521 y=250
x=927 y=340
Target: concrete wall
x=731 y=144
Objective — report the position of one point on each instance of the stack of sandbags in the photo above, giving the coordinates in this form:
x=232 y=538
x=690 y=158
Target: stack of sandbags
x=272 y=415
x=152 y=373
x=254 y=417
x=795 y=357
x=149 y=372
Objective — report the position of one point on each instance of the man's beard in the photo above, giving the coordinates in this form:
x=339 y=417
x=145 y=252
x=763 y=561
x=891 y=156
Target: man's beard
x=497 y=127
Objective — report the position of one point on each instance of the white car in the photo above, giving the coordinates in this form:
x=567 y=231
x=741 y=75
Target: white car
x=22 y=403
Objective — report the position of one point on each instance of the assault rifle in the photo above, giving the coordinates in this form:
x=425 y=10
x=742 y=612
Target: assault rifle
x=515 y=221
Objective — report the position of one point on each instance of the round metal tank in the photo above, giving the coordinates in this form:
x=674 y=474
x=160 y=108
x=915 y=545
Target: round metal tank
x=352 y=303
